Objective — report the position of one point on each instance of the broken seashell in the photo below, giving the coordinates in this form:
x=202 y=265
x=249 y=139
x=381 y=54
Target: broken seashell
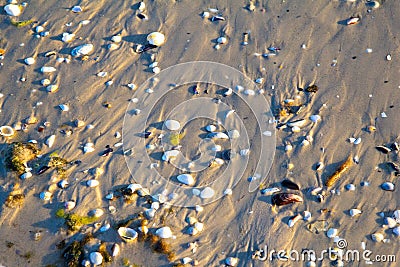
x=97 y=213
x=141 y=6
x=396 y=231
x=319 y=166
x=127 y=234
x=353 y=20
x=270 y=191
x=281 y=199
x=186 y=179
x=292 y=221
x=92 y=183
x=396 y=215
x=50 y=141
x=6 y=131
x=306 y=215
x=76 y=9
x=199 y=226
x=112 y=46
x=172 y=125
x=350 y=187
x=82 y=50
x=164 y=232
x=228 y=92
x=13 y=10
x=63 y=184
x=170 y=154
x=67 y=37
x=89 y=147
x=116 y=38
x=150 y=213
x=45 y=82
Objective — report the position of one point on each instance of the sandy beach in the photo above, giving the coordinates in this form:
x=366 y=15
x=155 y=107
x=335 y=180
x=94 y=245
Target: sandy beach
x=285 y=62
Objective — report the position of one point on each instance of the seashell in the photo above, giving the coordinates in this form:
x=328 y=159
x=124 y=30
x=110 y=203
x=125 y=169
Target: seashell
x=207 y=192
x=387 y=186
x=156 y=70
x=218 y=135
x=311 y=264
x=357 y=141
x=296 y=129
x=88 y=147
x=63 y=107
x=228 y=191
x=350 y=187
x=97 y=213
x=164 y=232
x=332 y=232
x=211 y=128
x=45 y=82
x=395 y=146
x=172 y=125
x=26 y=175
x=6 y=131
x=383 y=149
x=353 y=20
x=315 y=118
x=288 y=147
x=82 y=50
x=47 y=69
x=377 y=237
x=187 y=260
x=270 y=191
x=186 y=179
x=46 y=195
x=222 y=40
x=292 y=221
x=116 y=38
x=115 y=250
x=281 y=199
x=199 y=226
x=170 y=154
x=244 y=152
x=396 y=215
x=354 y=212
x=29 y=61
x=228 y=92
x=259 y=80
x=142 y=16
x=96 y=258
x=297 y=123
x=336 y=175
x=249 y=92
x=86 y=263
x=216 y=148
x=155 y=205
x=52 y=88
x=231 y=261
x=396 y=231
x=67 y=37
x=63 y=184
x=76 y=9
x=372 y=4
x=319 y=166
x=13 y=10
x=50 y=141
x=150 y=213
x=289 y=184
x=105 y=227
x=199 y=208
x=217 y=18
x=156 y=38
x=69 y=205
x=192 y=231
x=154 y=64
x=112 y=46
x=143 y=192
x=233 y=134
x=92 y=183
x=390 y=222
x=307 y=215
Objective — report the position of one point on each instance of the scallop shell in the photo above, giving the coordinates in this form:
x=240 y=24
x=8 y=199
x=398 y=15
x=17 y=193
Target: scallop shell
x=13 y=10
x=96 y=258
x=50 y=141
x=186 y=179
x=281 y=199
x=82 y=50
x=164 y=232
x=156 y=38
x=231 y=261
x=6 y=131
x=172 y=125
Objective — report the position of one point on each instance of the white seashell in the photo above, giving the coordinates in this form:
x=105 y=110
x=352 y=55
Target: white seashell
x=153 y=65
x=110 y=196
x=311 y=264
x=115 y=250
x=116 y=38
x=170 y=154
x=217 y=46
x=292 y=221
x=389 y=57
x=92 y=183
x=155 y=205
x=222 y=40
x=396 y=231
x=387 y=186
x=296 y=129
x=357 y=141
x=96 y=258
x=63 y=107
x=216 y=148
x=207 y=192
x=186 y=179
x=85 y=263
x=211 y=128
x=105 y=227
x=199 y=226
x=259 y=80
x=156 y=38
x=134 y=187
x=143 y=229
x=45 y=82
x=97 y=213
x=132 y=86
x=67 y=37
x=231 y=261
x=350 y=187
x=50 y=141
x=6 y=131
x=29 y=61
x=353 y=20
x=156 y=70
x=288 y=147
x=306 y=215
x=112 y=46
x=233 y=134
x=39 y=29
x=89 y=147
x=164 y=232
x=192 y=231
x=396 y=215
x=26 y=175
x=191 y=220
x=150 y=213
x=76 y=9
x=218 y=135
x=187 y=260
x=315 y=118
x=332 y=232
x=172 y=125
x=249 y=92
x=377 y=237
x=82 y=50
x=199 y=208
x=228 y=92
x=390 y=222
x=141 y=6
x=46 y=195
x=228 y=191
x=205 y=15
x=354 y=212
x=270 y=191
x=13 y=10
x=47 y=69
x=63 y=184
x=305 y=143
x=69 y=205
x=52 y=88
x=102 y=74
x=230 y=112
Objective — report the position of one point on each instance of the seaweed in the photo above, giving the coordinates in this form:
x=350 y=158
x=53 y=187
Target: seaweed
x=103 y=251
x=15 y=200
x=336 y=175
x=75 y=221
x=19 y=154
x=74 y=253
x=20 y=24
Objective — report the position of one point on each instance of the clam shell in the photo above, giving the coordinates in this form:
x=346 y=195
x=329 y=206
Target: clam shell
x=164 y=232
x=231 y=261
x=186 y=179
x=82 y=50
x=96 y=258
x=172 y=125
x=50 y=141
x=387 y=186
x=281 y=199
x=13 y=10
x=207 y=192
x=156 y=38
x=92 y=183
x=29 y=61
x=6 y=131
x=115 y=250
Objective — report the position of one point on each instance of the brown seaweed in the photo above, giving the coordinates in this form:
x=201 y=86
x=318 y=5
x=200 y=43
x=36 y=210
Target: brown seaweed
x=281 y=199
x=336 y=175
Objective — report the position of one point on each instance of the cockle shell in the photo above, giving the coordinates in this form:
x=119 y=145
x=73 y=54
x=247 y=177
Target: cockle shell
x=186 y=179
x=127 y=234
x=82 y=50
x=156 y=38
x=164 y=232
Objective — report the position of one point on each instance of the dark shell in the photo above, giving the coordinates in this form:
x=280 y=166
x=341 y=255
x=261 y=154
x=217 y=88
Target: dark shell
x=226 y=155
x=312 y=88
x=395 y=167
x=43 y=169
x=395 y=146
x=281 y=199
x=289 y=184
x=107 y=152
x=217 y=18
x=383 y=149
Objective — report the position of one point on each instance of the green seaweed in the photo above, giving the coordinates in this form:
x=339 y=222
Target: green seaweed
x=75 y=221
x=20 y=24
x=19 y=154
